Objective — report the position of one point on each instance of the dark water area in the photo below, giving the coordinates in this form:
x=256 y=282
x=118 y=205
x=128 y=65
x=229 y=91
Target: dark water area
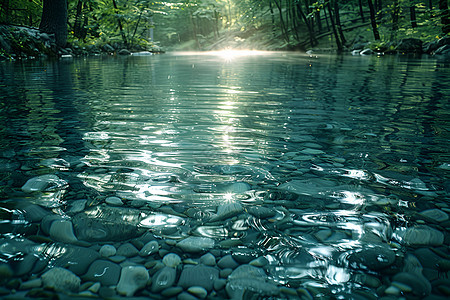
x=225 y=175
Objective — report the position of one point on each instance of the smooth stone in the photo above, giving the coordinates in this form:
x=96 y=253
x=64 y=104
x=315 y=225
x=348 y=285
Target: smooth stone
x=245 y=271
x=259 y=262
x=35 y=213
x=237 y=288
x=77 y=206
x=171 y=260
x=208 y=259
x=117 y=258
x=107 y=250
x=61 y=280
x=227 y=210
x=421 y=287
x=149 y=248
x=236 y=188
x=392 y=290
x=435 y=215
x=47 y=221
x=195 y=244
x=127 y=250
x=62 y=231
x=402 y=287
x=423 y=235
x=227 y=262
x=186 y=296
x=31 y=284
x=224 y=273
x=198 y=291
x=199 y=275
x=219 y=284
x=103 y=271
x=132 y=279
x=374 y=258
x=43 y=183
x=116 y=201
x=95 y=287
x=171 y=291
x=65 y=255
x=311 y=151
x=163 y=279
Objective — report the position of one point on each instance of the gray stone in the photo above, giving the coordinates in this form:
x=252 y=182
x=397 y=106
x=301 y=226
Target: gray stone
x=132 y=279
x=77 y=206
x=199 y=275
x=65 y=255
x=124 y=52
x=208 y=259
x=127 y=250
x=422 y=235
x=116 y=201
x=227 y=210
x=107 y=250
x=171 y=291
x=227 y=262
x=163 y=279
x=410 y=45
x=43 y=183
x=198 y=291
x=149 y=248
x=419 y=285
x=171 y=260
x=261 y=212
x=103 y=271
x=62 y=231
x=435 y=215
x=61 y=280
x=195 y=244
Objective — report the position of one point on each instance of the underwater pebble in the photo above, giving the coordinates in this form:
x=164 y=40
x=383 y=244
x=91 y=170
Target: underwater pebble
x=208 y=259
x=171 y=291
x=95 y=287
x=423 y=235
x=199 y=275
x=107 y=250
x=149 y=248
x=127 y=250
x=374 y=258
x=227 y=210
x=163 y=279
x=435 y=215
x=227 y=262
x=62 y=231
x=171 y=260
x=392 y=290
x=259 y=262
x=132 y=279
x=77 y=206
x=30 y=284
x=61 y=280
x=43 y=183
x=186 y=296
x=196 y=244
x=311 y=151
x=116 y=201
x=103 y=271
x=198 y=291
x=261 y=212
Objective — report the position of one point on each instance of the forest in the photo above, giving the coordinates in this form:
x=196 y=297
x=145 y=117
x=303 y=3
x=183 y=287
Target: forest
x=137 y=25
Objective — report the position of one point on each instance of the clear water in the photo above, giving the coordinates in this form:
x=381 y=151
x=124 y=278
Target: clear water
x=345 y=153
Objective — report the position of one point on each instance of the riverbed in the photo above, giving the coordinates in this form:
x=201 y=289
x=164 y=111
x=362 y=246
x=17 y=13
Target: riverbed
x=233 y=174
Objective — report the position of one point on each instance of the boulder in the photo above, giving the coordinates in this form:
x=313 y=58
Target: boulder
x=410 y=45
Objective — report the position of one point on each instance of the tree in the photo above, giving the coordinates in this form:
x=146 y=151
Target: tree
x=54 y=20
x=445 y=16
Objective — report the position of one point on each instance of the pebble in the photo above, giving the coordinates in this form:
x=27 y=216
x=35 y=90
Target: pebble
x=435 y=215
x=132 y=279
x=127 y=250
x=208 y=259
x=61 y=280
x=200 y=275
x=227 y=262
x=261 y=212
x=43 y=183
x=77 y=206
x=95 y=287
x=149 y=248
x=196 y=244
x=103 y=271
x=62 y=231
x=374 y=258
x=107 y=250
x=227 y=210
x=423 y=235
x=420 y=286
x=259 y=262
x=171 y=260
x=198 y=291
x=163 y=279
x=30 y=284
x=171 y=291
x=116 y=201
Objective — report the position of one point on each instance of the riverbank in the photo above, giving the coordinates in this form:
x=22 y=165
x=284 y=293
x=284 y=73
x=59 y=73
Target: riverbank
x=19 y=42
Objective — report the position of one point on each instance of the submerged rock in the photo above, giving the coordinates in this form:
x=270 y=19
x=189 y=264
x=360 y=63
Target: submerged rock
x=61 y=280
x=373 y=258
x=227 y=210
x=132 y=279
x=43 y=183
x=196 y=244
x=200 y=275
x=103 y=271
x=422 y=235
x=163 y=279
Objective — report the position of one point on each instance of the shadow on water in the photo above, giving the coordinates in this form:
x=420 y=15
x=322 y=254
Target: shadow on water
x=227 y=174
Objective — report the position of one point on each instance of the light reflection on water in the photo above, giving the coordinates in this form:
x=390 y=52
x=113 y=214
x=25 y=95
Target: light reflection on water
x=343 y=150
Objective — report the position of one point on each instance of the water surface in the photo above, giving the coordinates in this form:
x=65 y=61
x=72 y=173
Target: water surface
x=333 y=169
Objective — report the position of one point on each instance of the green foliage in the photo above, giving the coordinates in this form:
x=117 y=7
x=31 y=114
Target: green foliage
x=21 y=12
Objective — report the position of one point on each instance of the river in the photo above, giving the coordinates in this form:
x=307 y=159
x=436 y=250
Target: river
x=247 y=175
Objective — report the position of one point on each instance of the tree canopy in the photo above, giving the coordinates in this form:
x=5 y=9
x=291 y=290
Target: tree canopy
x=201 y=24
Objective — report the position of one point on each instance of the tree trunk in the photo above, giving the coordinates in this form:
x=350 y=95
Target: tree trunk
x=119 y=22
x=395 y=13
x=373 y=21
x=54 y=20
x=283 y=25
x=333 y=25
x=445 y=16
x=338 y=22
x=361 y=11
x=312 y=38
